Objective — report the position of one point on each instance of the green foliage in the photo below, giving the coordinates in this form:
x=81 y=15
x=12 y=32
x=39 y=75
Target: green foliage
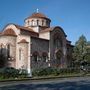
x=80 y=50
x=54 y=71
x=9 y=72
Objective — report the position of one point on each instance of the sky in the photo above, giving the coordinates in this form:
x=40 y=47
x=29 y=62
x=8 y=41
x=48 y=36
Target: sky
x=72 y=15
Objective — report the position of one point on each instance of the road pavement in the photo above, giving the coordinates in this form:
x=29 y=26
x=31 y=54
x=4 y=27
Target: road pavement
x=76 y=83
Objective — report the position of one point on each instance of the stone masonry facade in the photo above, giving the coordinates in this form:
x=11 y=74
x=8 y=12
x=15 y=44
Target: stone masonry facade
x=35 y=45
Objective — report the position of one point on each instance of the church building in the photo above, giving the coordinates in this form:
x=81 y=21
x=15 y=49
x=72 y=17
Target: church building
x=35 y=45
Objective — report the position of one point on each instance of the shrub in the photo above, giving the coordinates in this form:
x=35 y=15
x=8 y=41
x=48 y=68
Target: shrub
x=54 y=71
x=10 y=72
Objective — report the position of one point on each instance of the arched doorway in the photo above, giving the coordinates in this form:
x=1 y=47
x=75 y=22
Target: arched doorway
x=58 y=56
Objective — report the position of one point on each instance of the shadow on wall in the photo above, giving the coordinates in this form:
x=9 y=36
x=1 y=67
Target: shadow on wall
x=4 y=56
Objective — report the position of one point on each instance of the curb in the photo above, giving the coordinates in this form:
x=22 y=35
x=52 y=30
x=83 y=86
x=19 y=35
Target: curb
x=42 y=78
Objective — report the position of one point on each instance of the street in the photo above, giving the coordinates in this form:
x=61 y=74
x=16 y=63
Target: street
x=76 y=83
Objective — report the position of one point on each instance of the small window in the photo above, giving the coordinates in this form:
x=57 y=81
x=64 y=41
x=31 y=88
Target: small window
x=37 y=22
x=28 y=22
x=35 y=56
x=42 y=22
x=20 y=53
x=44 y=57
x=8 y=50
x=32 y=23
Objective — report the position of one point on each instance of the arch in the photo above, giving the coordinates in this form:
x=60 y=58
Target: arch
x=14 y=27
x=42 y=22
x=35 y=56
x=58 y=58
x=32 y=22
x=58 y=42
x=1 y=45
x=44 y=56
x=60 y=29
x=59 y=54
x=37 y=22
x=20 y=53
x=28 y=22
x=8 y=48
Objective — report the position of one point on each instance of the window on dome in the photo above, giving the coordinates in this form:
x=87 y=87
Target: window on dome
x=32 y=23
x=28 y=22
x=42 y=22
x=37 y=22
x=47 y=23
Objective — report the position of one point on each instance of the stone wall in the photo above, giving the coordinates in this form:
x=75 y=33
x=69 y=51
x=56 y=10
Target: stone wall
x=9 y=40
x=40 y=46
x=63 y=48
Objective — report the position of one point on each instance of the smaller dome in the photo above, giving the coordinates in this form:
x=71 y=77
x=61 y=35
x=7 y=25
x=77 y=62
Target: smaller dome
x=23 y=41
x=8 y=32
x=38 y=15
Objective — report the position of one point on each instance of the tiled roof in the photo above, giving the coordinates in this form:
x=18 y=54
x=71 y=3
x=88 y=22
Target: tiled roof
x=24 y=28
x=47 y=30
x=23 y=41
x=9 y=32
x=27 y=31
x=51 y=29
x=38 y=15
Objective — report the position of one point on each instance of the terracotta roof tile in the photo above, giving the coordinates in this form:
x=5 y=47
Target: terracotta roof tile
x=38 y=15
x=23 y=41
x=9 y=32
x=27 y=31
x=24 y=28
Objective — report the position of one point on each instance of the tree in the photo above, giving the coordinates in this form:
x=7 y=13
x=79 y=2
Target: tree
x=88 y=52
x=80 y=50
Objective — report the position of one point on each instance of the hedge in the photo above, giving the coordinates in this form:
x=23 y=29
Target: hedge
x=54 y=71
x=10 y=72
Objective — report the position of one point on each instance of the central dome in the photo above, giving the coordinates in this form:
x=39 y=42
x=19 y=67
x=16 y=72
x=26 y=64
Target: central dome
x=37 y=21
x=38 y=15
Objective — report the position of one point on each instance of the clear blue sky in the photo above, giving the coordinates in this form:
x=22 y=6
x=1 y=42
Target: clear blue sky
x=72 y=15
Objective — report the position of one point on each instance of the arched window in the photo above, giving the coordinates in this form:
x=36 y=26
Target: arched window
x=1 y=48
x=37 y=22
x=47 y=23
x=44 y=57
x=57 y=41
x=28 y=22
x=35 y=56
x=8 y=50
x=42 y=22
x=20 y=54
x=32 y=23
